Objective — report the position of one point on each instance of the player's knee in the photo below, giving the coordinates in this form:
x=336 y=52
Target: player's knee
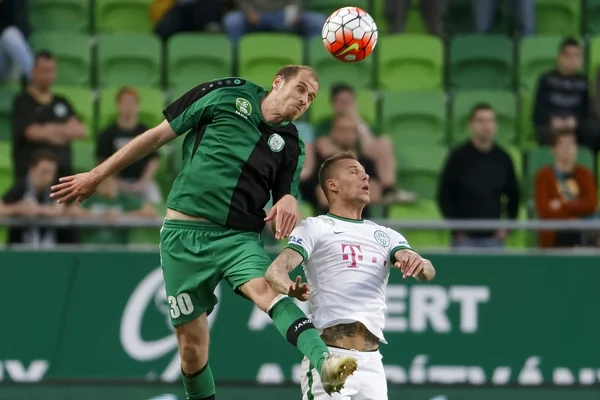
x=260 y=292
x=193 y=355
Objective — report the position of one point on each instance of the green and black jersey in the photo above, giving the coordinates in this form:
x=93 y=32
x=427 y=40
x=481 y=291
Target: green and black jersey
x=232 y=159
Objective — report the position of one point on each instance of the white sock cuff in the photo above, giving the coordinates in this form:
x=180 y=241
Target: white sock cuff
x=276 y=300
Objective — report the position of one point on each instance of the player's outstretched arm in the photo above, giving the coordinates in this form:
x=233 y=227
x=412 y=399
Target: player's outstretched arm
x=278 y=275
x=81 y=186
x=412 y=264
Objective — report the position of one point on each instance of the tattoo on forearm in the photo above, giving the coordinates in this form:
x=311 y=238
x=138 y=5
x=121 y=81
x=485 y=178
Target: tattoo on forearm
x=278 y=273
x=332 y=334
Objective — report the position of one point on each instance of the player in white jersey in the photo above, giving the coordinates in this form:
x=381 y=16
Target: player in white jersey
x=347 y=262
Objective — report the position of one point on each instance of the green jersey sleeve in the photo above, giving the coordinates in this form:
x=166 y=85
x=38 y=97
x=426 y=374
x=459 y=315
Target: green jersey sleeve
x=194 y=108
x=288 y=178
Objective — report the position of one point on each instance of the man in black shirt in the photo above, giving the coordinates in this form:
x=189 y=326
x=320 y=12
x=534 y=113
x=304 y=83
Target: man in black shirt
x=138 y=178
x=43 y=120
x=30 y=197
x=562 y=98
x=476 y=176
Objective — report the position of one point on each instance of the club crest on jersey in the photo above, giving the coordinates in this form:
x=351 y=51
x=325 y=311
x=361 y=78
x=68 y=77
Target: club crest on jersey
x=327 y=220
x=243 y=107
x=276 y=142
x=382 y=238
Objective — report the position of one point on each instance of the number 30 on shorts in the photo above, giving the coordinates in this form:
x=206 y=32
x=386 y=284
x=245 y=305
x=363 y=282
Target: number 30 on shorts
x=182 y=304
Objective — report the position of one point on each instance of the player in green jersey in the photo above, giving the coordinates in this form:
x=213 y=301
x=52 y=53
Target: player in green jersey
x=240 y=148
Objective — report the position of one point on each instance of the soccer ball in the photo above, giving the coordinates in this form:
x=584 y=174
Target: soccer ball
x=350 y=34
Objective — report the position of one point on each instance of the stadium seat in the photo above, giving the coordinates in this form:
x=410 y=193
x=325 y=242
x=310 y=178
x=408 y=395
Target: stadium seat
x=129 y=59
x=593 y=60
x=527 y=134
x=592 y=13
x=195 y=58
x=328 y=6
x=504 y=104
x=481 y=62
x=422 y=210
x=5 y=156
x=60 y=15
x=366 y=100
x=537 y=55
x=557 y=17
x=419 y=167
x=72 y=52
x=152 y=102
x=414 y=117
x=82 y=101
x=410 y=62
x=359 y=74
x=122 y=16
x=7 y=96
x=84 y=155
x=260 y=55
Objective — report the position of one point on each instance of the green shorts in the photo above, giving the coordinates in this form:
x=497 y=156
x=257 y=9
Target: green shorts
x=196 y=256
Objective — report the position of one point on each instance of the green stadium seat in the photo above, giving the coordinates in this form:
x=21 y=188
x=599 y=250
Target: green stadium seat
x=331 y=71
x=122 y=16
x=422 y=210
x=593 y=60
x=84 y=155
x=195 y=58
x=129 y=59
x=7 y=96
x=526 y=127
x=537 y=55
x=72 y=52
x=592 y=13
x=320 y=109
x=411 y=62
x=262 y=54
x=60 y=15
x=504 y=104
x=481 y=62
x=5 y=156
x=558 y=17
x=329 y=6
x=82 y=101
x=415 y=117
x=152 y=102
x=419 y=167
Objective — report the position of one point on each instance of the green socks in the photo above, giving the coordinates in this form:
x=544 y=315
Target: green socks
x=295 y=326
x=199 y=385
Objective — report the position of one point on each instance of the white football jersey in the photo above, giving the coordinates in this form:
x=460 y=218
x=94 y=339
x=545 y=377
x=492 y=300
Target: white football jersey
x=347 y=265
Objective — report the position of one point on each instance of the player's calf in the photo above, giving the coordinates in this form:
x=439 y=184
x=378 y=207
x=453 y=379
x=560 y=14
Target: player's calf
x=192 y=339
x=298 y=329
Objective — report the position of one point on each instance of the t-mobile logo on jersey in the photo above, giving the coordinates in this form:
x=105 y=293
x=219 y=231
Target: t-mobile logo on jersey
x=353 y=254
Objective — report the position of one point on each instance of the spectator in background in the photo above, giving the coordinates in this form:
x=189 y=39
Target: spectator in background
x=43 y=120
x=432 y=12
x=377 y=148
x=30 y=197
x=564 y=190
x=14 y=49
x=138 y=178
x=109 y=204
x=344 y=136
x=272 y=15
x=476 y=176
x=523 y=12
x=175 y=16
x=562 y=98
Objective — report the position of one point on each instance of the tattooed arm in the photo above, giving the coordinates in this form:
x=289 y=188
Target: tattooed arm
x=278 y=274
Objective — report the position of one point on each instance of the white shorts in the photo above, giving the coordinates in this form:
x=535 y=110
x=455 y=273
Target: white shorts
x=367 y=383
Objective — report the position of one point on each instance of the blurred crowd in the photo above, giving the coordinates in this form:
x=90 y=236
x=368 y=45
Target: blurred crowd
x=478 y=179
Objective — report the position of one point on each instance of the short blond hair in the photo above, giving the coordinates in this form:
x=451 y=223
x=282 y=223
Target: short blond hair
x=290 y=71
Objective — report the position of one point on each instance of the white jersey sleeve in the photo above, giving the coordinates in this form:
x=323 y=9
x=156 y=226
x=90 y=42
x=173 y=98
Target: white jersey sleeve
x=305 y=236
x=398 y=242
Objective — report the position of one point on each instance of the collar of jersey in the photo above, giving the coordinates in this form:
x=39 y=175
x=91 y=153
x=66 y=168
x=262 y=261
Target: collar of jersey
x=354 y=221
x=261 y=96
